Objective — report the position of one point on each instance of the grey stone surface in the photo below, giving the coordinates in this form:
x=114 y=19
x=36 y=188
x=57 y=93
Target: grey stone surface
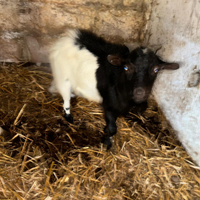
x=41 y=21
x=174 y=25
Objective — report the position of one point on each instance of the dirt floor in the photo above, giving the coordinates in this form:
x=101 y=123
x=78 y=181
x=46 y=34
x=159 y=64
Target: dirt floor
x=44 y=157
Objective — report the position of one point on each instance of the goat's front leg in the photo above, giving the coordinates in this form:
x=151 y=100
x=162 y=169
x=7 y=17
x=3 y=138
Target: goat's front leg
x=110 y=129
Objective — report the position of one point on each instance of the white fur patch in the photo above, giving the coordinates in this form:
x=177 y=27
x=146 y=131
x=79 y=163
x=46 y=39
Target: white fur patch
x=77 y=66
x=52 y=88
x=1 y=131
x=145 y=50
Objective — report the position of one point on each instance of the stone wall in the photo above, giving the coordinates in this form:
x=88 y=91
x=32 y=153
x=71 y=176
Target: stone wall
x=28 y=27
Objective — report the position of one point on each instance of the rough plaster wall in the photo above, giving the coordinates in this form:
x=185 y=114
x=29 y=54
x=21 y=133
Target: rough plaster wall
x=27 y=27
x=175 y=25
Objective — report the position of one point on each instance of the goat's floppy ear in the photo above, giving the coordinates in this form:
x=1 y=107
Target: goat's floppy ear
x=115 y=60
x=170 y=66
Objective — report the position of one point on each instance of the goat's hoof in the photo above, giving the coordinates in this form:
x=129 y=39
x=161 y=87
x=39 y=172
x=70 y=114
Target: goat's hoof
x=69 y=118
x=107 y=141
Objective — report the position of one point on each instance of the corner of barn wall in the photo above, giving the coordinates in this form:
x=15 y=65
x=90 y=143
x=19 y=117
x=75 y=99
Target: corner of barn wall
x=28 y=28
x=147 y=11
x=174 y=26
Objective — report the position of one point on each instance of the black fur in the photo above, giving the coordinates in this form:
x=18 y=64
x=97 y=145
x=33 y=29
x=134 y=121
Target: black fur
x=98 y=46
x=69 y=118
x=123 y=86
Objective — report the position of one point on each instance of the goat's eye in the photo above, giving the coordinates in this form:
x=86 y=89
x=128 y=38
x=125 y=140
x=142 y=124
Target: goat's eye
x=156 y=70
x=125 y=67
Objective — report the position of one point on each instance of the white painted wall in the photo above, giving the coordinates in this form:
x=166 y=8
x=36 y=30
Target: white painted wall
x=176 y=26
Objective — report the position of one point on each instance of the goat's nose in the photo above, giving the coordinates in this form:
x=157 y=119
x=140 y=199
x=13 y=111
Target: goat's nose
x=139 y=92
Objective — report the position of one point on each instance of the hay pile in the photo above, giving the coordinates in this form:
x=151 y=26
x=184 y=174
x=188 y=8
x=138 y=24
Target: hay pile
x=44 y=157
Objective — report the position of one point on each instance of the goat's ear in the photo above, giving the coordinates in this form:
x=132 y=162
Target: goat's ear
x=170 y=66
x=115 y=60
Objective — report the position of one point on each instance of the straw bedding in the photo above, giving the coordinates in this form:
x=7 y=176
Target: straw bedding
x=44 y=157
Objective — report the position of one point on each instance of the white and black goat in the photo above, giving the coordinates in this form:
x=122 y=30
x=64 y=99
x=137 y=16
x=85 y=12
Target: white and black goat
x=86 y=65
